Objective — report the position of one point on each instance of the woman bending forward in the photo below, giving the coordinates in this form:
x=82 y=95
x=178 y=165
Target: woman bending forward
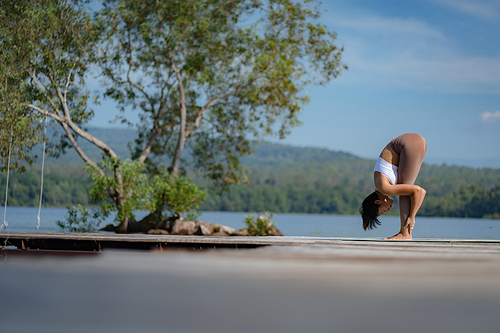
x=395 y=172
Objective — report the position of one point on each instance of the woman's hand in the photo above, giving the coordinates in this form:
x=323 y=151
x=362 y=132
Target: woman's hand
x=410 y=223
x=416 y=201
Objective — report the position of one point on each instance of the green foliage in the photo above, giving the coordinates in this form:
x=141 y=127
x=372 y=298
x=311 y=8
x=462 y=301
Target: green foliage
x=335 y=200
x=204 y=74
x=19 y=130
x=176 y=195
x=214 y=73
x=468 y=201
x=46 y=50
x=63 y=186
x=287 y=179
x=261 y=226
x=132 y=178
x=79 y=219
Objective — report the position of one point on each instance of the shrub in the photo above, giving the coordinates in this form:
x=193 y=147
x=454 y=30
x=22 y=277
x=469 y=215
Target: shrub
x=79 y=219
x=177 y=195
x=262 y=226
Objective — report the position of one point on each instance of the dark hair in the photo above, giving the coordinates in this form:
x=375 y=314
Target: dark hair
x=369 y=211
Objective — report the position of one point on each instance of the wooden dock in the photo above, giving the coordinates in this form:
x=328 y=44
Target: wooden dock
x=103 y=241
x=277 y=284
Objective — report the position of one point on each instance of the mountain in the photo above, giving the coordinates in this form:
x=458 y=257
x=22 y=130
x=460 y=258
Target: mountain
x=116 y=138
x=285 y=178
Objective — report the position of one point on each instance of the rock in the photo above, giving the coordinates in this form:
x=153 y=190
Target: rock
x=181 y=227
x=157 y=232
x=244 y=232
x=208 y=225
x=230 y=231
x=272 y=230
x=155 y=224
x=219 y=233
x=266 y=219
x=133 y=226
x=275 y=232
x=109 y=227
x=152 y=221
x=202 y=230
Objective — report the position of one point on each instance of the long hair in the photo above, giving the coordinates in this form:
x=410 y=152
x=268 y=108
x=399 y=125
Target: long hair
x=369 y=212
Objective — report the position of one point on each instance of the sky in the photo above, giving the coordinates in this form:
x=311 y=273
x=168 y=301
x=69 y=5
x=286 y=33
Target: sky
x=425 y=66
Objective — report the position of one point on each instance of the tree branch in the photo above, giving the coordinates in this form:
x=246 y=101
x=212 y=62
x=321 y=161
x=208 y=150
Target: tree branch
x=40 y=89
x=182 y=133
x=116 y=193
x=87 y=136
x=47 y=113
x=136 y=86
x=68 y=81
x=79 y=150
x=92 y=139
x=212 y=100
x=155 y=132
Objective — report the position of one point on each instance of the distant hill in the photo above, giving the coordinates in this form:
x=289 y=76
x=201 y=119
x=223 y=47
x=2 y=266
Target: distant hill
x=276 y=154
x=285 y=179
x=116 y=138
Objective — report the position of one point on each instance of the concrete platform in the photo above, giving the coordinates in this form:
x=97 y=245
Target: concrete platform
x=294 y=284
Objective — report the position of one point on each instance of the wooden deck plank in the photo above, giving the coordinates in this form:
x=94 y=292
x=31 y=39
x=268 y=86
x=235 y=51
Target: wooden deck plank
x=336 y=285
x=99 y=241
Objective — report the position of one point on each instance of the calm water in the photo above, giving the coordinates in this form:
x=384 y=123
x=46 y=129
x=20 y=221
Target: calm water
x=25 y=219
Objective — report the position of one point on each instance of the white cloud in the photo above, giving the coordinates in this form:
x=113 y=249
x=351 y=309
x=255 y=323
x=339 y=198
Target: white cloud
x=411 y=54
x=489 y=117
x=482 y=9
x=392 y=26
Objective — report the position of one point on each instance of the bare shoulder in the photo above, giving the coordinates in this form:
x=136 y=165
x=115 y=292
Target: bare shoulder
x=381 y=182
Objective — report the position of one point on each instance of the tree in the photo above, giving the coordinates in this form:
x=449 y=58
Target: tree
x=203 y=74
x=18 y=132
x=47 y=48
x=208 y=73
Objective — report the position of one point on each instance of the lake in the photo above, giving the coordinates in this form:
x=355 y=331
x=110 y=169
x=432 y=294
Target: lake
x=25 y=219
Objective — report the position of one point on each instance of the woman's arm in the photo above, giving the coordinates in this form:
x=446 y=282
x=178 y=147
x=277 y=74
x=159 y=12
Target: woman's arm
x=416 y=192
x=385 y=187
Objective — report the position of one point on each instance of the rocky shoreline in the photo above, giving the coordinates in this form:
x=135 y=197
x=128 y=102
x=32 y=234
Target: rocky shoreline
x=153 y=225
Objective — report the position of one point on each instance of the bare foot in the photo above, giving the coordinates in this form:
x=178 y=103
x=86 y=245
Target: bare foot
x=399 y=236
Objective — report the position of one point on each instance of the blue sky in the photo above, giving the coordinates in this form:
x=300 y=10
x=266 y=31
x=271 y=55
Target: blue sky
x=425 y=66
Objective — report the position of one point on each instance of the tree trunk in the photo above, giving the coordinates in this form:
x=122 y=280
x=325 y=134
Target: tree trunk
x=174 y=169
x=118 y=199
x=123 y=227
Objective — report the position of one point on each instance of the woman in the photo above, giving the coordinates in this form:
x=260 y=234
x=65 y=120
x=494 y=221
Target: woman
x=395 y=172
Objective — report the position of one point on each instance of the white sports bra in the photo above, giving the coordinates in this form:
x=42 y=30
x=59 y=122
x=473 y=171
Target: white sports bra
x=387 y=169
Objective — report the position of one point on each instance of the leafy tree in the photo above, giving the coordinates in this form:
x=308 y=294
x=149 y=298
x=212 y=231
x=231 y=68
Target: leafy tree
x=207 y=73
x=47 y=49
x=203 y=74
x=18 y=133
x=132 y=178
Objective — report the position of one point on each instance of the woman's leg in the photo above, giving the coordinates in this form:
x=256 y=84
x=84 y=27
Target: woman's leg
x=410 y=160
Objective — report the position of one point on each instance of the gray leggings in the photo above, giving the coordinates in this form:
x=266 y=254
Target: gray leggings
x=411 y=148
